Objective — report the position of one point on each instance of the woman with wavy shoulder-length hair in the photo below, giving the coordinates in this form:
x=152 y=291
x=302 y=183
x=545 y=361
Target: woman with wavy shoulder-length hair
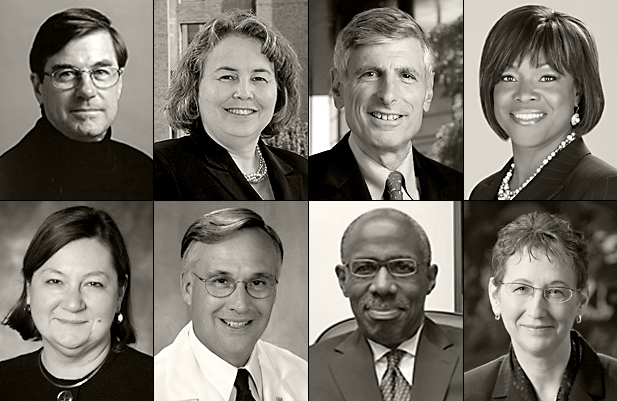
x=238 y=81
x=540 y=87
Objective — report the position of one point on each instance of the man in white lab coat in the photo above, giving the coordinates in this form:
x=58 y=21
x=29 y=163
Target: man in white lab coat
x=231 y=262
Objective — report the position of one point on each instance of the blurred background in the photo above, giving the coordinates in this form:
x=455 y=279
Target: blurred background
x=485 y=337
x=177 y=21
x=288 y=327
x=441 y=136
x=18 y=223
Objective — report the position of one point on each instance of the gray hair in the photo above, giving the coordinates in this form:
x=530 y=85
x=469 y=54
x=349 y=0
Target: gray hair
x=378 y=26
x=216 y=226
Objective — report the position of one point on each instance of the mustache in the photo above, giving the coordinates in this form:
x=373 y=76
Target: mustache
x=378 y=303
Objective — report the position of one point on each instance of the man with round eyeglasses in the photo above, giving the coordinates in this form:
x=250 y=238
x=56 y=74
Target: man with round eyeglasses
x=77 y=62
x=396 y=353
x=231 y=262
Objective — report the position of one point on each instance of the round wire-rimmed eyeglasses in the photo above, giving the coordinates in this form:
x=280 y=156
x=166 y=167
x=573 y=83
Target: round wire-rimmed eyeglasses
x=223 y=286
x=69 y=78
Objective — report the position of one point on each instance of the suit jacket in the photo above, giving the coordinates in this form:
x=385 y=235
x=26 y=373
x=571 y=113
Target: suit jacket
x=573 y=174
x=335 y=175
x=342 y=368
x=177 y=376
x=195 y=167
x=595 y=380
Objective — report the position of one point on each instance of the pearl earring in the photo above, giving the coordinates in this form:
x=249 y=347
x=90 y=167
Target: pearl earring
x=497 y=316
x=575 y=118
x=579 y=319
x=120 y=318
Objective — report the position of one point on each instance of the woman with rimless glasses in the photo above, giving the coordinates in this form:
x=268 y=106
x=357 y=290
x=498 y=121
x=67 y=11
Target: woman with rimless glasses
x=539 y=290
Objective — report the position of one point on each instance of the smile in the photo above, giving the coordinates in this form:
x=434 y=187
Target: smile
x=241 y=112
x=384 y=314
x=537 y=329
x=237 y=325
x=71 y=321
x=527 y=118
x=384 y=116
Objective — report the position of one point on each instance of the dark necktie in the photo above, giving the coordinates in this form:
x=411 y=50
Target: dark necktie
x=242 y=386
x=394 y=386
x=394 y=185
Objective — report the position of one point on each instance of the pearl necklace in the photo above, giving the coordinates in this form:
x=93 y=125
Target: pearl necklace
x=505 y=193
x=261 y=173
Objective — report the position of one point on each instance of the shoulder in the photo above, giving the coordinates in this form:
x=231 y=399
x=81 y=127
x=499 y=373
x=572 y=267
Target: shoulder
x=19 y=366
x=480 y=187
x=479 y=382
x=324 y=349
x=454 y=334
x=609 y=366
x=592 y=179
x=293 y=159
x=282 y=356
x=170 y=148
x=130 y=152
x=132 y=364
x=137 y=358
x=449 y=173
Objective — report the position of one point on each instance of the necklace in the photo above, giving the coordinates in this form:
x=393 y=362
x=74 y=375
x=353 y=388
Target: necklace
x=261 y=173
x=66 y=395
x=505 y=193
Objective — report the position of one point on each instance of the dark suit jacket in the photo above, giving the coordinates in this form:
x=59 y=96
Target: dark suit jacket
x=342 y=369
x=335 y=175
x=596 y=379
x=195 y=167
x=573 y=174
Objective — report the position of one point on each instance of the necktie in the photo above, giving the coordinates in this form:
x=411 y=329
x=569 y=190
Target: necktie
x=393 y=185
x=242 y=386
x=394 y=386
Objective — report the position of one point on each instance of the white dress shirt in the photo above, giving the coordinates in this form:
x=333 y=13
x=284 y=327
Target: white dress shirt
x=407 y=363
x=375 y=175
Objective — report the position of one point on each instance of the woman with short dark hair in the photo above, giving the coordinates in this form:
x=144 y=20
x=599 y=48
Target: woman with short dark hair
x=76 y=300
x=540 y=87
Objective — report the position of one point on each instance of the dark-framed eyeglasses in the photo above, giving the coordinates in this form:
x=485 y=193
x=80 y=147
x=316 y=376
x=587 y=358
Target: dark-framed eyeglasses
x=68 y=78
x=522 y=292
x=367 y=268
x=221 y=286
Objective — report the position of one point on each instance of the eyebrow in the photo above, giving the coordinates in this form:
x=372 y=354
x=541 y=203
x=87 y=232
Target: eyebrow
x=55 y=271
x=236 y=70
x=226 y=273
x=551 y=284
x=407 y=70
x=102 y=63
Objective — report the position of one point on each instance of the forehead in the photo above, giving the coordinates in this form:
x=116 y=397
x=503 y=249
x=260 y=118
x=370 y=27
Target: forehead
x=87 y=50
x=81 y=257
x=237 y=51
x=395 y=53
x=245 y=253
x=538 y=269
x=384 y=235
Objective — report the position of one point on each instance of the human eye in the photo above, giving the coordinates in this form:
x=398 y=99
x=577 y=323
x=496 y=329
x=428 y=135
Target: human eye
x=219 y=281
x=548 y=78
x=94 y=284
x=407 y=76
x=507 y=78
x=369 y=74
x=520 y=289
x=403 y=267
x=227 y=78
x=363 y=267
x=557 y=293
x=258 y=283
x=66 y=74
x=101 y=73
x=259 y=78
x=53 y=281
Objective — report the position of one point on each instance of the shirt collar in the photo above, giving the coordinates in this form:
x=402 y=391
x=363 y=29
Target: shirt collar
x=375 y=174
x=219 y=372
x=410 y=346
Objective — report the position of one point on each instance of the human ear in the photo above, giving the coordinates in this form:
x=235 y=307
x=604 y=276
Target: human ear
x=583 y=300
x=428 y=97
x=186 y=287
x=341 y=273
x=493 y=295
x=432 y=277
x=121 y=291
x=37 y=85
x=336 y=86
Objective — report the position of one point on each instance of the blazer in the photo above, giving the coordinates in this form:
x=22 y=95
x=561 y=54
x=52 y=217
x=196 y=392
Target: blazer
x=177 y=375
x=195 y=167
x=335 y=175
x=342 y=367
x=595 y=380
x=573 y=174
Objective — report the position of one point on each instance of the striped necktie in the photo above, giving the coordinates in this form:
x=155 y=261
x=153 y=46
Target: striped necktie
x=394 y=386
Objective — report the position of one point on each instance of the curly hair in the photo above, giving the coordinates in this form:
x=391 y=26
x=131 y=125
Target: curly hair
x=181 y=105
x=546 y=233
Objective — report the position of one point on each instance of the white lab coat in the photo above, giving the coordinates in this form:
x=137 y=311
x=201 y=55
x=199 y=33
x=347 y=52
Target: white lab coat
x=177 y=376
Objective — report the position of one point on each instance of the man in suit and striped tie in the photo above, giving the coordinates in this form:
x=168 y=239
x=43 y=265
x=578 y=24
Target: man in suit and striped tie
x=396 y=353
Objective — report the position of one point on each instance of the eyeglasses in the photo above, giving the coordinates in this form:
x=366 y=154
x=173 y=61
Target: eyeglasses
x=522 y=292
x=102 y=77
x=223 y=286
x=367 y=268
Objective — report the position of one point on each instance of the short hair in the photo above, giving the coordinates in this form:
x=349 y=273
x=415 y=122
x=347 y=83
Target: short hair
x=379 y=26
x=181 y=105
x=62 y=27
x=58 y=230
x=217 y=226
x=394 y=214
x=547 y=233
x=542 y=34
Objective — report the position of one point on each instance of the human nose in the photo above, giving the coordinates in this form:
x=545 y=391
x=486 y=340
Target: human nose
x=387 y=89
x=239 y=299
x=73 y=301
x=244 y=89
x=85 y=88
x=526 y=92
x=536 y=304
x=383 y=283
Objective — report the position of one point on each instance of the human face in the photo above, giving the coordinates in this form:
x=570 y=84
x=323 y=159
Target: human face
x=534 y=105
x=85 y=112
x=74 y=297
x=231 y=326
x=384 y=94
x=237 y=92
x=537 y=327
x=389 y=310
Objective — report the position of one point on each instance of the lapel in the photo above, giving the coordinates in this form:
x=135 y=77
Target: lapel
x=221 y=167
x=353 y=370
x=488 y=188
x=432 y=183
x=549 y=183
x=435 y=364
x=285 y=184
x=344 y=174
x=275 y=375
